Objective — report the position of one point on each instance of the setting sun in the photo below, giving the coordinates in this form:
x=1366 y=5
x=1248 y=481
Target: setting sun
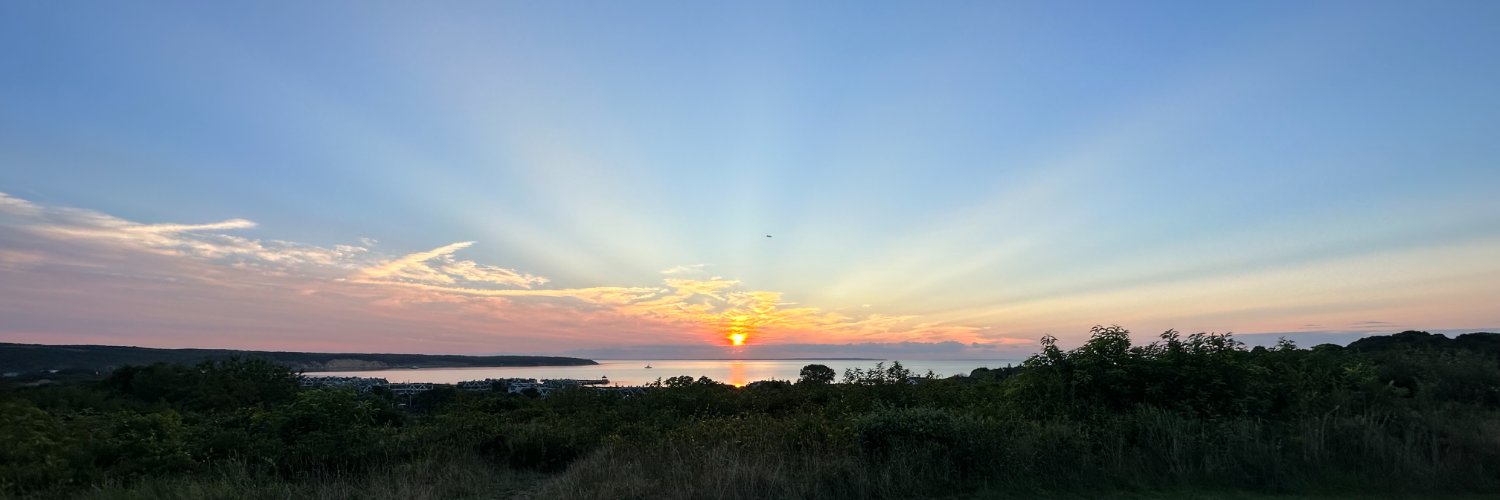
x=739 y=327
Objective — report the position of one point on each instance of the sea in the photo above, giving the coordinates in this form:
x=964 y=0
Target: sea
x=635 y=372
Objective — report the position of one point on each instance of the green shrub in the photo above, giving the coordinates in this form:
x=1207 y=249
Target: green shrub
x=38 y=451
x=134 y=445
x=325 y=430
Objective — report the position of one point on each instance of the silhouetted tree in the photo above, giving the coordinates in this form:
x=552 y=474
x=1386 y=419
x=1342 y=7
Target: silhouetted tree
x=816 y=374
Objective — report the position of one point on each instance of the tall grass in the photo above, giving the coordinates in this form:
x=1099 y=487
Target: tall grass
x=442 y=476
x=1145 y=451
x=924 y=452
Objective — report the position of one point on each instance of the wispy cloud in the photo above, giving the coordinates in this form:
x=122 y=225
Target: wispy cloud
x=183 y=228
x=438 y=266
x=203 y=241
x=18 y=206
x=413 y=266
x=684 y=269
x=434 y=285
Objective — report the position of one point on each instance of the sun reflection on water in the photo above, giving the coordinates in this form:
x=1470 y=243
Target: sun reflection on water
x=737 y=376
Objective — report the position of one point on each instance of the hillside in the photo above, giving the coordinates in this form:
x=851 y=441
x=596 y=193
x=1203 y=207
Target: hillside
x=36 y=357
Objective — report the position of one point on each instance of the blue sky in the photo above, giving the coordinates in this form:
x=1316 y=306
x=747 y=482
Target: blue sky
x=989 y=172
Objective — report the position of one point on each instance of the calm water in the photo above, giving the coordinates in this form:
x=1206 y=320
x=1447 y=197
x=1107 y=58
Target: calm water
x=634 y=371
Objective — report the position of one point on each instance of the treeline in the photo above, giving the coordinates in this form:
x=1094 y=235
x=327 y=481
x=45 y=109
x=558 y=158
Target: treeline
x=1410 y=414
x=38 y=360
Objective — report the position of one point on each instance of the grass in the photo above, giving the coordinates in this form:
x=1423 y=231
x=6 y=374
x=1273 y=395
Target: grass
x=725 y=474
x=455 y=476
x=666 y=471
x=1148 y=454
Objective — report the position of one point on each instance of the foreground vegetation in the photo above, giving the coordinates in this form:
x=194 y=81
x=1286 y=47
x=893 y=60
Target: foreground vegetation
x=1408 y=414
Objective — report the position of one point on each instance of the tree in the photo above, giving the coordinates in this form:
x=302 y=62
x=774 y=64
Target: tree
x=211 y=385
x=816 y=374
x=879 y=375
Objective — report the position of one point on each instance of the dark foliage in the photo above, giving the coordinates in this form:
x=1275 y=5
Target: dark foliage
x=211 y=385
x=1410 y=413
x=816 y=374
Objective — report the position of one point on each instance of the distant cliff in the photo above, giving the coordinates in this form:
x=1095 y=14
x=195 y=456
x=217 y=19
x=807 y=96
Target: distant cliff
x=25 y=358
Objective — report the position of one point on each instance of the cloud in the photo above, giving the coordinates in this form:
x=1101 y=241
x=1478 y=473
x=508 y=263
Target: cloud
x=60 y=258
x=182 y=228
x=11 y=204
x=685 y=269
x=1015 y=352
x=604 y=295
x=414 y=266
x=204 y=241
x=716 y=308
x=437 y=266
x=711 y=307
x=721 y=307
x=15 y=259
x=468 y=270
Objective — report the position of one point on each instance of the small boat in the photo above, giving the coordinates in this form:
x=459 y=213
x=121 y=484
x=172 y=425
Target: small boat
x=648 y=366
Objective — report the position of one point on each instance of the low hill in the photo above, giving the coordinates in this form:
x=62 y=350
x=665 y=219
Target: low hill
x=26 y=358
x=1483 y=342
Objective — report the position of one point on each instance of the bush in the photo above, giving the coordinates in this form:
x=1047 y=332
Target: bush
x=37 y=452
x=325 y=430
x=546 y=447
x=132 y=445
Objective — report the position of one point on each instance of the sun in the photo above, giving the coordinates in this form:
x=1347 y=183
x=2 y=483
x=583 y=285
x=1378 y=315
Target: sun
x=737 y=328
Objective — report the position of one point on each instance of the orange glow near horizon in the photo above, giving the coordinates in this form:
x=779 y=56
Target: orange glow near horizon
x=739 y=328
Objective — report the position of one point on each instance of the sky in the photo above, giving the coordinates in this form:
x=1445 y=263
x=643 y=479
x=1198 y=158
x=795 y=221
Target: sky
x=952 y=179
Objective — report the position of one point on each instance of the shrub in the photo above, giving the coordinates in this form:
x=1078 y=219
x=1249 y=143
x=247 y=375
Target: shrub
x=135 y=445
x=37 y=449
x=325 y=430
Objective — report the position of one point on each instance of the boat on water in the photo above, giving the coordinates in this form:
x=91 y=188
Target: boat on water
x=648 y=366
